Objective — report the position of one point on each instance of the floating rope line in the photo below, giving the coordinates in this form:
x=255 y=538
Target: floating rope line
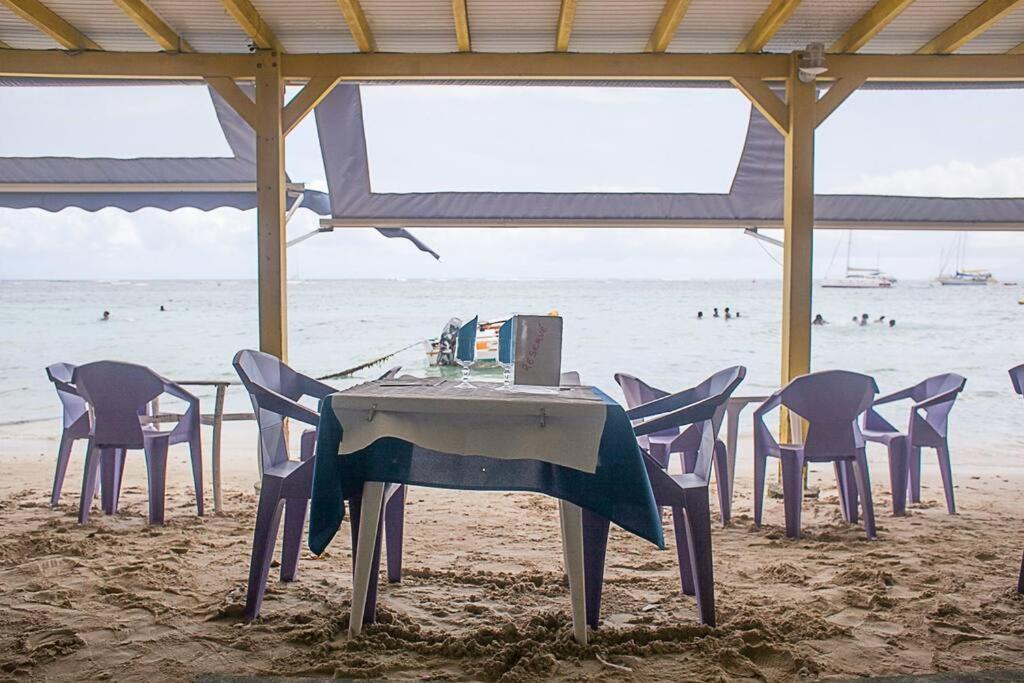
x=370 y=363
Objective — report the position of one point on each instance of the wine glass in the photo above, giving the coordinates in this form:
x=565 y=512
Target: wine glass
x=506 y=353
x=465 y=351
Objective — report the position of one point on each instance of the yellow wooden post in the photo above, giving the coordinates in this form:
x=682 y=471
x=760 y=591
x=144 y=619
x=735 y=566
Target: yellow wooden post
x=270 y=206
x=798 y=218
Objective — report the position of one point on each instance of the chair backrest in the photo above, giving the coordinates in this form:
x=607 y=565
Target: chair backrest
x=117 y=393
x=261 y=372
x=636 y=391
x=936 y=415
x=1017 y=379
x=75 y=407
x=830 y=402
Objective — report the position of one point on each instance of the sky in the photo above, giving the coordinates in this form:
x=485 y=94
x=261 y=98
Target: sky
x=422 y=138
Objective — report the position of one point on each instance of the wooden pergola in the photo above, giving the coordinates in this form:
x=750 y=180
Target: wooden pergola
x=752 y=44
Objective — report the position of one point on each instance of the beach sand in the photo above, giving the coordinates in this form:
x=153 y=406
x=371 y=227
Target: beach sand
x=483 y=596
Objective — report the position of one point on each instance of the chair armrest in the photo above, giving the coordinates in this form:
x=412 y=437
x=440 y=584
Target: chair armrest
x=314 y=387
x=763 y=438
x=900 y=395
x=177 y=391
x=768 y=405
x=66 y=387
x=687 y=415
x=663 y=405
x=874 y=422
x=285 y=407
x=937 y=399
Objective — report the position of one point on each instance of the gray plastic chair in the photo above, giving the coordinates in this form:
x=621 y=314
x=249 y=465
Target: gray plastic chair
x=686 y=494
x=75 y=422
x=1017 y=379
x=118 y=394
x=830 y=402
x=661 y=445
x=275 y=389
x=927 y=427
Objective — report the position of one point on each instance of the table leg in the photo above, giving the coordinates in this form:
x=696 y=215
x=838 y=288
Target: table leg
x=369 y=520
x=572 y=546
x=732 y=425
x=218 y=423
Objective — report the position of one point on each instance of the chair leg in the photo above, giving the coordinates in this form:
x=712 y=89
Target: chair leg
x=595 y=546
x=863 y=477
x=683 y=550
x=1020 y=577
x=760 y=465
x=195 y=448
x=291 y=546
x=698 y=528
x=355 y=505
x=851 y=494
x=946 y=470
x=156 y=471
x=898 y=467
x=63 y=456
x=914 y=472
x=792 y=491
x=394 y=529
x=840 y=471
x=264 y=537
x=111 y=473
x=89 y=481
x=724 y=482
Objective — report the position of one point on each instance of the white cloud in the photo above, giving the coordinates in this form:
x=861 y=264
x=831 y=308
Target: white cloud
x=1000 y=178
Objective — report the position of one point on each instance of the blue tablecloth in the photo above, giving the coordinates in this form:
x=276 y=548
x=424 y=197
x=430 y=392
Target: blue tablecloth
x=618 y=489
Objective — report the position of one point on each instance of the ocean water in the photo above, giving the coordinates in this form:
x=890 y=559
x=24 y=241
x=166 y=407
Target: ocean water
x=647 y=328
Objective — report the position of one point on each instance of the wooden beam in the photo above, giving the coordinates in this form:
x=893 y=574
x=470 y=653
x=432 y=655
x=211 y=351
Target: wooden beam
x=868 y=26
x=770 y=21
x=566 y=17
x=835 y=96
x=765 y=100
x=668 y=23
x=1018 y=50
x=968 y=27
x=270 y=207
x=360 y=28
x=4 y=46
x=236 y=97
x=925 y=68
x=154 y=27
x=51 y=23
x=798 y=224
x=252 y=23
x=306 y=100
x=461 y=17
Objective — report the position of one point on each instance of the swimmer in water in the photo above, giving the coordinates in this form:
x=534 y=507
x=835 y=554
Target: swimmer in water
x=818 y=320
x=700 y=315
x=162 y=309
x=892 y=323
x=106 y=315
x=715 y=313
x=863 y=319
x=881 y=319
x=728 y=315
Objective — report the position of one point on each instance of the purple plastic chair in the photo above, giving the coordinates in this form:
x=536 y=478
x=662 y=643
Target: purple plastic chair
x=75 y=425
x=1017 y=379
x=275 y=389
x=830 y=402
x=118 y=394
x=686 y=494
x=661 y=445
x=927 y=428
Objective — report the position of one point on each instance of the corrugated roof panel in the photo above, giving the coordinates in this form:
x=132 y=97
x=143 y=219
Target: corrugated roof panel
x=821 y=21
x=919 y=23
x=414 y=25
x=614 y=25
x=205 y=24
x=307 y=25
x=716 y=25
x=522 y=26
x=104 y=23
x=1006 y=34
x=18 y=33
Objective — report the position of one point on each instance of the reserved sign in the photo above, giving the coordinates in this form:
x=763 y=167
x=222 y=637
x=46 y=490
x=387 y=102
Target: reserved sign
x=538 y=350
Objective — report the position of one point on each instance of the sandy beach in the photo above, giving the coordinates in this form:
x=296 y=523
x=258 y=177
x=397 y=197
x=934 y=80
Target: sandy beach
x=483 y=596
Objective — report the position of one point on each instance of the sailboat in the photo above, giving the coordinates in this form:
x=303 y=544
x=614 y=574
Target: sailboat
x=964 y=276
x=859 y=278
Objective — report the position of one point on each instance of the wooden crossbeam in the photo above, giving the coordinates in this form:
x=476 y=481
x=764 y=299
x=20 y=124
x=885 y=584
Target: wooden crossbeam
x=566 y=16
x=252 y=23
x=154 y=27
x=357 y=24
x=461 y=18
x=4 y=46
x=767 y=25
x=969 y=27
x=668 y=23
x=836 y=95
x=51 y=23
x=869 y=25
x=1019 y=50
x=306 y=100
x=765 y=101
x=236 y=97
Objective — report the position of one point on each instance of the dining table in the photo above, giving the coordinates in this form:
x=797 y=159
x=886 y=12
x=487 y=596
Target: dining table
x=572 y=443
